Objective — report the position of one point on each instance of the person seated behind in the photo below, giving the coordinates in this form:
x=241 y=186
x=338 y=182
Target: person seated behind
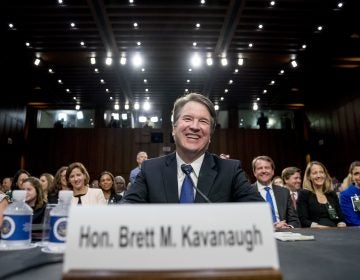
x=278 y=181
x=120 y=185
x=107 y=185
x=262 y=121
x=283 y=212
x=140 y=157
x=4 y=202
x=78 y=179
x=350 y=198
x=35 y=198
x=292 y=179
x=318 y=205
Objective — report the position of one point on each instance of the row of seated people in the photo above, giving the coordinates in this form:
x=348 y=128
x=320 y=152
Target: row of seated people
x=316 y=204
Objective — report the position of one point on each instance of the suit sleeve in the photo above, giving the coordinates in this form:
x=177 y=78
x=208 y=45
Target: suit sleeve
x=291 y=214
x=351 y=218
x=138 y=191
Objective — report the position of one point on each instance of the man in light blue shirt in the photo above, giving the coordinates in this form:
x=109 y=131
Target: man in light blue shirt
x=140 y=157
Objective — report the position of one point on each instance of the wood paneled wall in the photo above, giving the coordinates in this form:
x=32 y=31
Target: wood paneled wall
x=115 y=149
x=335 y=137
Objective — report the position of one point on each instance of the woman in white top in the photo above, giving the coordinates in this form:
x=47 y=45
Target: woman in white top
x=78 y=179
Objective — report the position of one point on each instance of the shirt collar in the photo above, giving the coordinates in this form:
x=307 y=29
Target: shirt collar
x=196 y=164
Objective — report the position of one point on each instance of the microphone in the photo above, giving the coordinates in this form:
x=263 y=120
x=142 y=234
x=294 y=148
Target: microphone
x=197 y=190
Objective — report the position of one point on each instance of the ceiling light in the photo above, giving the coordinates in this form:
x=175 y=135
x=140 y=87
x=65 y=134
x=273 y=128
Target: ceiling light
x=137 y=60
x=51 y=71
x=138 y=43
x=186 y=90
x=77 y=107
x=123 y=60
x=255 y=106
x=142 y=69
x=294 y=63
x=124 y=116
x=146 y=106
x=154 y=119
x=202 y=2
x=240 y=61
x=102 y=81
x=319 y=28
x=216 y=107
x=146 y=90
x=190 y=70
x=93 y=60
x=272 y=3
x=221 y=98
x=194 y=44
x=226 y=90
x=260 y=26
x=127 y=106
x=108 y=61
x=264 y=91
x=60 y=1
x=96 y=70
x=74 y=97
x=209 y=61
x=224 y=61
x=272 y=82
x=11 y=26
x=281 y=72
x=230 y=82
x=188 y=81
x=196 y=60
x=135 y=24
x=60 y=82
x=251 y=45
x=107 y=90
x=72 y=25
x=197 y=25
x=27 y=44
x=111 y=98
x=303 y=46
x=116 y=107
x=258 y=99
x=236 y=70
x=82 y=43
x=142 y=119
x=37 y=61
x=340 y=4
x=131 y=1
x=67 y=90
x=145 y=81
x=136 y=106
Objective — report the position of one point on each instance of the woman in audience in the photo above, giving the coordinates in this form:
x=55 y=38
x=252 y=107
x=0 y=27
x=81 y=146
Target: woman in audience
x=19 y=178
x=47 y=181
x=35 y=198
x=4 y=202
x=78 y=180
x=350 y=198
x=317 y=204
x=107 y=185
x=58 y=185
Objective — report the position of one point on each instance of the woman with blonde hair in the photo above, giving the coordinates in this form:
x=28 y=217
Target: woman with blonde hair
x=35 y=198
x=318 y=205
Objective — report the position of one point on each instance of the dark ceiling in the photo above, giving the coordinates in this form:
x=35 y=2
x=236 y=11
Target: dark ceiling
x=329 y=65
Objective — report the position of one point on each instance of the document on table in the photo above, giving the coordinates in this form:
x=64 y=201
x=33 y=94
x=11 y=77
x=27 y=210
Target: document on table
x=292 y=236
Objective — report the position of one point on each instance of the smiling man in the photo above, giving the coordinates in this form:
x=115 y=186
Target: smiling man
x=191 y=174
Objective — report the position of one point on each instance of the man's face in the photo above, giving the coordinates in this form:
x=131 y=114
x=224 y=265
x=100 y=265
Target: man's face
x=6 y=184
x=141 y=157
x=119 y=185
x=263 y=172
x=192 y=130
x=294 y=182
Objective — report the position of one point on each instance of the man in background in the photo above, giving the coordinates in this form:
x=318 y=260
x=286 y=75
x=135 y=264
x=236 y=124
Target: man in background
x=140 y=157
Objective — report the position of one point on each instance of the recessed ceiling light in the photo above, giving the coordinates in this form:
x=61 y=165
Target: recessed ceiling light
x=138 y=43
x=145 y=81
x=197 y=25
x=27 y=44
x=319 y=28
x=194 y=44
x=82 y=43
x=135 y=24
x=260 y=26
x=72 y=25
x=272 y=3
x=60 y=81
x=11 y=25
x=251 y=45
x=67 y=90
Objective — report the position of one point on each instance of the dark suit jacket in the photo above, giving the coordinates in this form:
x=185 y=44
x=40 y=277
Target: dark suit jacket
x=285 y=206
x=310 y=210
x=220 y=180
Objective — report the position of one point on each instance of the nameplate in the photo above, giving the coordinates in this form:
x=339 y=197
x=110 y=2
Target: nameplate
x=165 y=237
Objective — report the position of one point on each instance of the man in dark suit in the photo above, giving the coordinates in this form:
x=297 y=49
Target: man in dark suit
x=161 y=180
x=284 y=213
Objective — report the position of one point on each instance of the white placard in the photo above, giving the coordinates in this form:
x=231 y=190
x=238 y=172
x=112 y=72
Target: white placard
x=170 y=237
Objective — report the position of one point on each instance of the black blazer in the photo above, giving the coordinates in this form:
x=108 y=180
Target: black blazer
x=310 y=210
x=221 y=180
x=285 y=206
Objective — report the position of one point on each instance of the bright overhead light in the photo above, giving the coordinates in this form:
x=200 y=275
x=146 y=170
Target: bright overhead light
x=123 y=60
x=11 y=26
x=265 y=91
x=146 y=106
x=272 y=3
x=27 y=44
x=37 y=61
x=51 y=71
x=294 y=63
x=116 y=107
x=138 y=43
x=222 y=98
x=102 y=81
x=60 y=1
x=154 y=119
x=108 y=61
x=272 y=82
x=72 y=24
x=319 y=28
x=136 y=106
x=67 y=90
x=224 y=61
x=79 y=115
x=194 y=44
x=202 y=2
x=146 y=90
x=124 y=116
x=216 y=107
x=135 y=24
x=260 y=26
x=230 y=82
x=281 y=72
x=137 y=60
x=197 y=25
x=145 y=81
x=186 y=90
x=304 y=46
x=142 y=119
x=251 y=45
x=255 y=106
x=126 y=106
x=93 y=60
x=60 y=81
x=96 y=70
x=82 y=43
x=226 y=90
x=340 y=4
x=241 y=61
x=188 y=81
x=196 y=60
x=209 y=61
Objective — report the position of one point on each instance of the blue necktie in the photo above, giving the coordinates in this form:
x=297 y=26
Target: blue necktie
x=269 y=199
x=187 y=189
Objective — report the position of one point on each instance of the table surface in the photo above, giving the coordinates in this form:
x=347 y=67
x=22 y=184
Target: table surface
x=334 y=254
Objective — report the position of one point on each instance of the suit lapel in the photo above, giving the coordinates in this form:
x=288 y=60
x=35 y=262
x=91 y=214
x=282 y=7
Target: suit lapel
x=170 y=179
x=206 y=177
x=279 y=201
